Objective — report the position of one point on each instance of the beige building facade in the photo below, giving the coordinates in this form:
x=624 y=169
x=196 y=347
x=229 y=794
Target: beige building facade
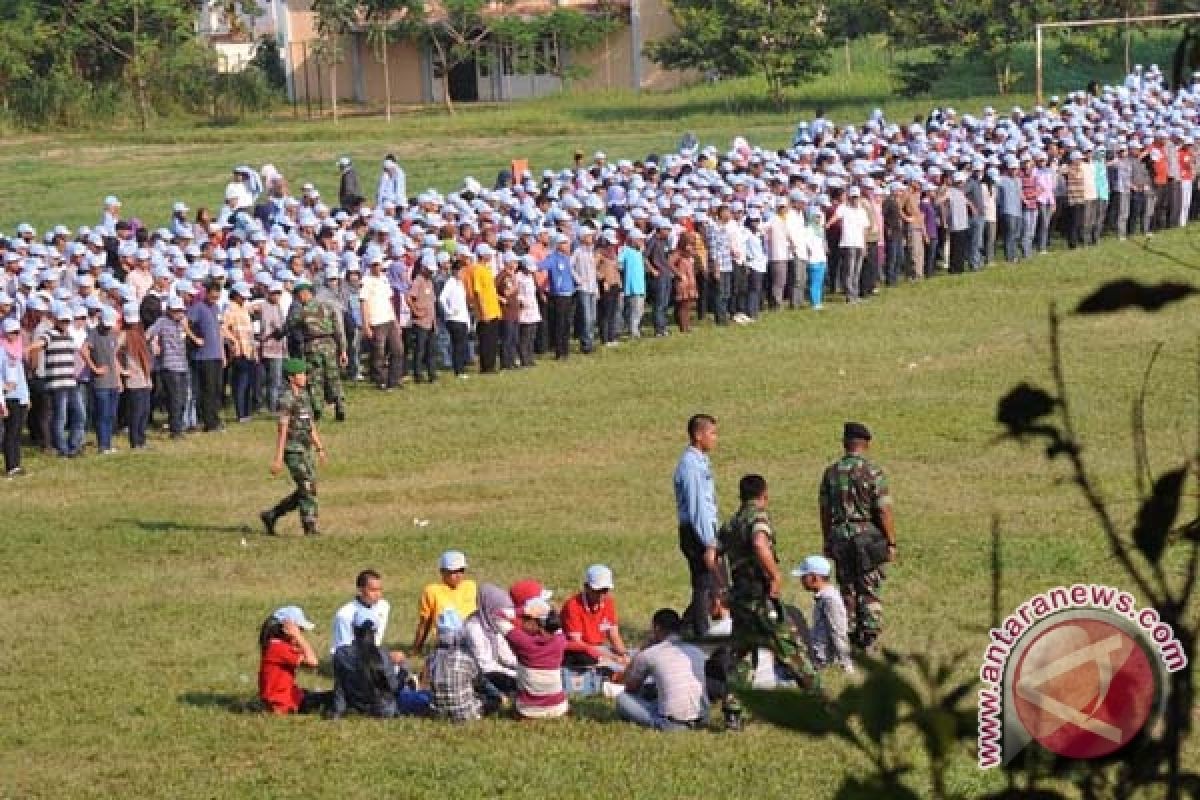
x=364 y=74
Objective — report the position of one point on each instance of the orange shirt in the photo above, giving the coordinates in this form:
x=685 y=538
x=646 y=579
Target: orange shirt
x=1187 y=169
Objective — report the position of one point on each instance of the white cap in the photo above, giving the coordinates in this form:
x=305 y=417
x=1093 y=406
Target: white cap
x=598 y=577
x=453 y=560
x=294 y=614
x=813 y=565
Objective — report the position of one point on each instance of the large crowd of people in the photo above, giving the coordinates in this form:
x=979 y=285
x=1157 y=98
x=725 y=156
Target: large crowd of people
x=106 y=324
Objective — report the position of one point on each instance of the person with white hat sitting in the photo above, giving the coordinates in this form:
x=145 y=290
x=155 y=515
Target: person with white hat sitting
x=284 y=649
x=455 y=590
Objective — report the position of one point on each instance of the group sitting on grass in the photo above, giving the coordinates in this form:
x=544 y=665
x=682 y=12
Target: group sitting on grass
x=106 y=324
x=510 y=652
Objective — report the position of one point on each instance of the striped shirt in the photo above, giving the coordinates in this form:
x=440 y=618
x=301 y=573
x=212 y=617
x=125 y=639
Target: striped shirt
x=678 y=672
x=539 y=673
x=173 y=344
x=58 y=361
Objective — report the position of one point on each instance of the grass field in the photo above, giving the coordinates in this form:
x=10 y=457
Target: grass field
x=131 y=604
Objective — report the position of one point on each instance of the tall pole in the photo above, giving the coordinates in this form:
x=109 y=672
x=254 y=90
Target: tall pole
x=635 y=38
x=1038 y=68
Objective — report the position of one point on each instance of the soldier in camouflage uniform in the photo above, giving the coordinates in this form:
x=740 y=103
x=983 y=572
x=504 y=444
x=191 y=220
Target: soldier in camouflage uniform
x=860 y=535
x=747 y=543
x=315 y=332
x=297 y=439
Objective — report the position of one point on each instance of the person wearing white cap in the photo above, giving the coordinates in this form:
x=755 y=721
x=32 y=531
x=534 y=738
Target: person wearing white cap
x=1079 y=183
x=380 y=325
x=854 y=220
x=364 y=680
x=272 y=348
x=136 y=365
x=14 y=394
x=283 y=649
x=532 y=631
x=99 y=353
x=237 y=329
x=110 y=216
x=589 y=620
x=455 y=590
x=350 y=195
x=830 y=637
x=169 y=337
x=393 y=186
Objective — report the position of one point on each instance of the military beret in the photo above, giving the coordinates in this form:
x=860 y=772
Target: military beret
x=294 y=366
x=856 y=430
x=303 y=283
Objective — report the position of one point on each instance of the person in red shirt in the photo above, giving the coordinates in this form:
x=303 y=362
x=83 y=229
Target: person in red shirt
x=284 y=648
x=589 y=619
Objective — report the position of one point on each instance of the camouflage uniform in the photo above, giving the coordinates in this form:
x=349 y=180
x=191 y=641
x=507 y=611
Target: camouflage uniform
x=853 y=492
x=759 y=620
x=296 y=408
x=316 y=334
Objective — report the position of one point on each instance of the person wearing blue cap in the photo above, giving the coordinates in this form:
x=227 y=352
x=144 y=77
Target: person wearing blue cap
x=364 y=680
x=830 y=637
x=454 y=678
x=283 y=649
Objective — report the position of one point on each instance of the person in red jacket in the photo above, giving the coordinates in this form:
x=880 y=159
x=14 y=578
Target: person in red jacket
x=589 y=620
x=284 y=649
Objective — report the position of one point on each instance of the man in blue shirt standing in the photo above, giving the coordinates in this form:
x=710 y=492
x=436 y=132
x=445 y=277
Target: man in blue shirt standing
x=208 y=359
x=696 y=508
x=561 y=284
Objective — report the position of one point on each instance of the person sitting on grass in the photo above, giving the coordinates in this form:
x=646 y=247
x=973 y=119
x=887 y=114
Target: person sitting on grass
x=455 y=590
x=679 y=700
x=830 y=628
x=589 y=620
x=283 y=648
x=364 y=680
x=487 y=644
x=454 y=679
x=533 y=632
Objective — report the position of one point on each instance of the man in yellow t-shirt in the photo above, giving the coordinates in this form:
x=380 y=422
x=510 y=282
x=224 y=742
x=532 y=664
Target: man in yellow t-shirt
x=455 y=591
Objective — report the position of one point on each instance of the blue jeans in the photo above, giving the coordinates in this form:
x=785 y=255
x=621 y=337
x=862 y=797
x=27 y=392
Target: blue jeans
x=632 y=708
x=894 y=258
x=975 y=253
x=1012 y=235
x=274 y=371
x=662 y=300
x=586 y=302
x=68 y=422
x=1029 y=232
x=243 y=386
x=106 y=416
x=1045 y=212
x=816 y=283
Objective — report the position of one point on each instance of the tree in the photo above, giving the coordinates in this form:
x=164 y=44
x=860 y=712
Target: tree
x=379 y=17
x=335 y=18
x=568 y=31
x=784 y=41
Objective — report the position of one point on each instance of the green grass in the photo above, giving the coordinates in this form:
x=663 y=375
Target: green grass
x=131 y=603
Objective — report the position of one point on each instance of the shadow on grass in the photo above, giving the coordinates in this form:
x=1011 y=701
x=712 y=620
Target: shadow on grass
x=167 y=526
x=236 y=704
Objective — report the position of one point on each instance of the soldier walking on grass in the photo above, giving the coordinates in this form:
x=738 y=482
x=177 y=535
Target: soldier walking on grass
x=315 y=332
x=294 y=447
x=859 y=531
x=747 y=544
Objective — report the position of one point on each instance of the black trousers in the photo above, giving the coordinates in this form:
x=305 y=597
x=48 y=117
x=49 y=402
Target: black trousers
x=458 y=346
x=175 y=388
x=509 y=337
x=564 y=313
x=209 y=374
x=12 y=434
x=422 y=352
x=959 y=242
x=525 y=342
x=488 y=335
x=702 y=580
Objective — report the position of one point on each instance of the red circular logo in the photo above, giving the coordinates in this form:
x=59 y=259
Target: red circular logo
x=1083 y=688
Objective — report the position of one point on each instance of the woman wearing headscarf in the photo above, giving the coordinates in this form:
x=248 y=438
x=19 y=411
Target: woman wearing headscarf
x=363 y=678
x=487 y=644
